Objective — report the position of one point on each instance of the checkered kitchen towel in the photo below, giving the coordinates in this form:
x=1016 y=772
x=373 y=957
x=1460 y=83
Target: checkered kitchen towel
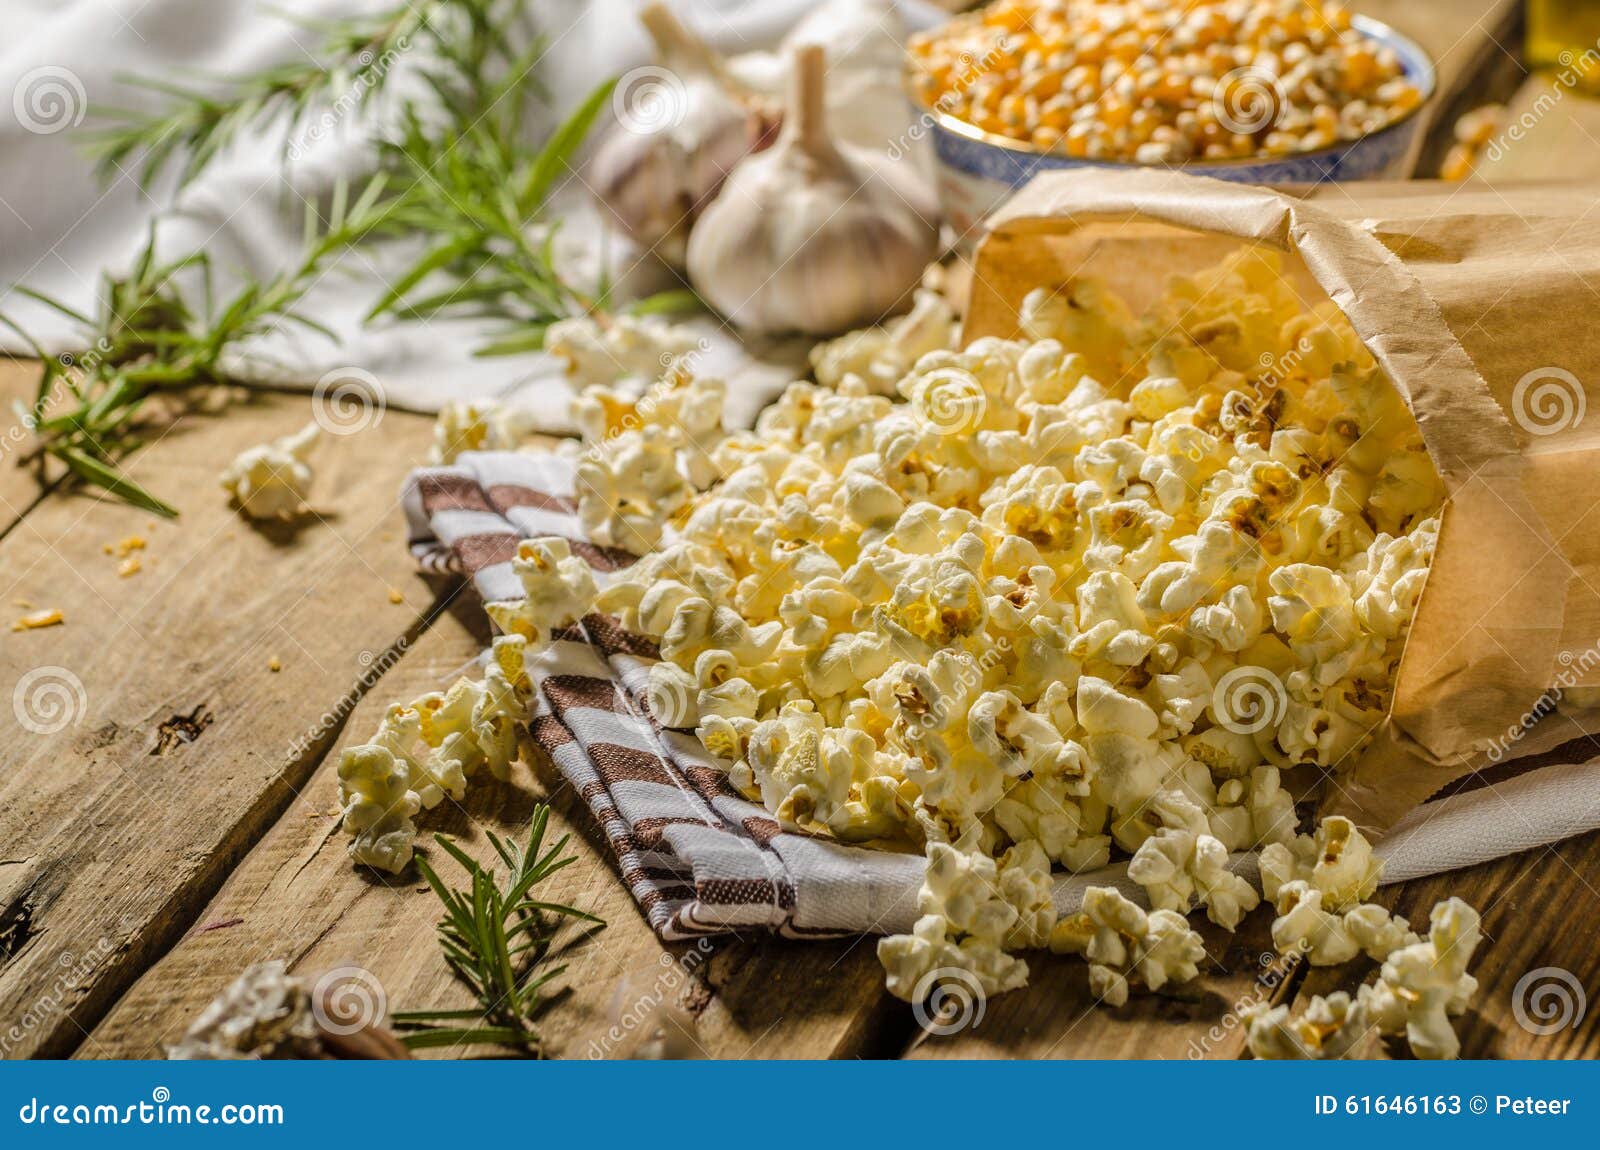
x=699 y=857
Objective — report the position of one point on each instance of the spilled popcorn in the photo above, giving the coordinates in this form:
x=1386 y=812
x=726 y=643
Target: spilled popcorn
x=427 y=750
x=270 y=480
x=1120 y=589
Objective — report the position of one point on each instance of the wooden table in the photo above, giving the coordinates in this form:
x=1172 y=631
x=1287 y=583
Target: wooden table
x=186 y=825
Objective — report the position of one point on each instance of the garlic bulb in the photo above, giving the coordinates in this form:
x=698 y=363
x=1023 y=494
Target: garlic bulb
x=812 y=235
x=682 y=125
x=866 y=92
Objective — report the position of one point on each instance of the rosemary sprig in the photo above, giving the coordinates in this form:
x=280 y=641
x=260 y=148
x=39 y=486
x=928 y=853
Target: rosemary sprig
x=352 y=64
x=485 y=199
x=496 y=938
x=158 y=330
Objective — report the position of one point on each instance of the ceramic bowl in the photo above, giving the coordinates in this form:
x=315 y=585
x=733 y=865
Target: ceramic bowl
x=976 y=169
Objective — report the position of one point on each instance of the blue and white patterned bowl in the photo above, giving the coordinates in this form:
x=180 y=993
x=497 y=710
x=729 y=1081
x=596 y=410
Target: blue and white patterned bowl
x=978 y=169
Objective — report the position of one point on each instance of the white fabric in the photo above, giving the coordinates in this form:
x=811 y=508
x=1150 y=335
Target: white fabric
x=59 y=229
x=1530 y=812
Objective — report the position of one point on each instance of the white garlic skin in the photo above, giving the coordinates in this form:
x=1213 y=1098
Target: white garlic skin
x=812 y=235
x=679 y=132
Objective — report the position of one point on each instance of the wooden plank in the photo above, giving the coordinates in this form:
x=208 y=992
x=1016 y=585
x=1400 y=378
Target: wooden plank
x=1552 y=132
x=117 y=830
x=296 y=897
x=21 y=485
x=1541 y=913
x=1055 y=1016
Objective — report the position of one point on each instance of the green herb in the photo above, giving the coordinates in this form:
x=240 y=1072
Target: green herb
x=496 y=938
x=453 y=171
x=351 y=65
x=152 y=334
x=484 y=199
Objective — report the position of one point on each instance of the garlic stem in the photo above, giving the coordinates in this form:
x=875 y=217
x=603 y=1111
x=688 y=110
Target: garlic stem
x=807 y=121
x=675 y=43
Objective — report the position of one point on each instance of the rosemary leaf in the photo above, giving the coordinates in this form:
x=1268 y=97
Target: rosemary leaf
x=495 y=936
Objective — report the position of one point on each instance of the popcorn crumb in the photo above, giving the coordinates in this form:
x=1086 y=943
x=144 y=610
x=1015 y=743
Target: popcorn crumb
x=51 y=617
x=274 y=665
x=129 y=566
x=396 y=595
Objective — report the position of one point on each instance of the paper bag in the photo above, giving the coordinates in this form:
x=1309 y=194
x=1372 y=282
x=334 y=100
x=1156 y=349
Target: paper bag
x=1481 y=306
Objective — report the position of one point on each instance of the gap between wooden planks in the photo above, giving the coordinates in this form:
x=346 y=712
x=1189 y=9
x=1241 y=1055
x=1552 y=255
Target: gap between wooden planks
x=182 y=746
x=22 y=486
x=297 y=897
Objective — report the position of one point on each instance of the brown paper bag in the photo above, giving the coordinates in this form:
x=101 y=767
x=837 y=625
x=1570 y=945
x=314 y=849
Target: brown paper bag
x=1481 y=304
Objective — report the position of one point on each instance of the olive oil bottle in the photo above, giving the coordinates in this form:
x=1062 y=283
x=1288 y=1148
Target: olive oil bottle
x=1565 y=35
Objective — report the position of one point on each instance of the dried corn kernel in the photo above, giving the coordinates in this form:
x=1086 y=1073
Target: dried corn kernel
x=1162 y=82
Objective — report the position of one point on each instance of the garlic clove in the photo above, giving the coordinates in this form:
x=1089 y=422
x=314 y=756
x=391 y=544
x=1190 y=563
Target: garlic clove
x=682 y=125
x=813 y=235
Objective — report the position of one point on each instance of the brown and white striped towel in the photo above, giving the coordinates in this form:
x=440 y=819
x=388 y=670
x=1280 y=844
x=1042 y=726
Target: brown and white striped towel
x=699 y=857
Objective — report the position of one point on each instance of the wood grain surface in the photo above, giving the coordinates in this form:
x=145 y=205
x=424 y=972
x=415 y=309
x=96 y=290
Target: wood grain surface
x=181 y=823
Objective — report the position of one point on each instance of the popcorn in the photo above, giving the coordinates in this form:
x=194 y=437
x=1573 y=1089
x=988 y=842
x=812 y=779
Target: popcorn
x=1331 y=1027
x=983 y=600
x=270 y=480
x=1422 y=985
x=1303 y=926
x=880 y=356
x=477 y=425
x=1336 y=861
x=428 y=749
x=378 y=804
x=965 y=922
x=1378 y=932
x=1122 y=943
x=264 y=1013
x=631 y=349
x=559 y=589
x=1181 y=861
x=629 y=487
